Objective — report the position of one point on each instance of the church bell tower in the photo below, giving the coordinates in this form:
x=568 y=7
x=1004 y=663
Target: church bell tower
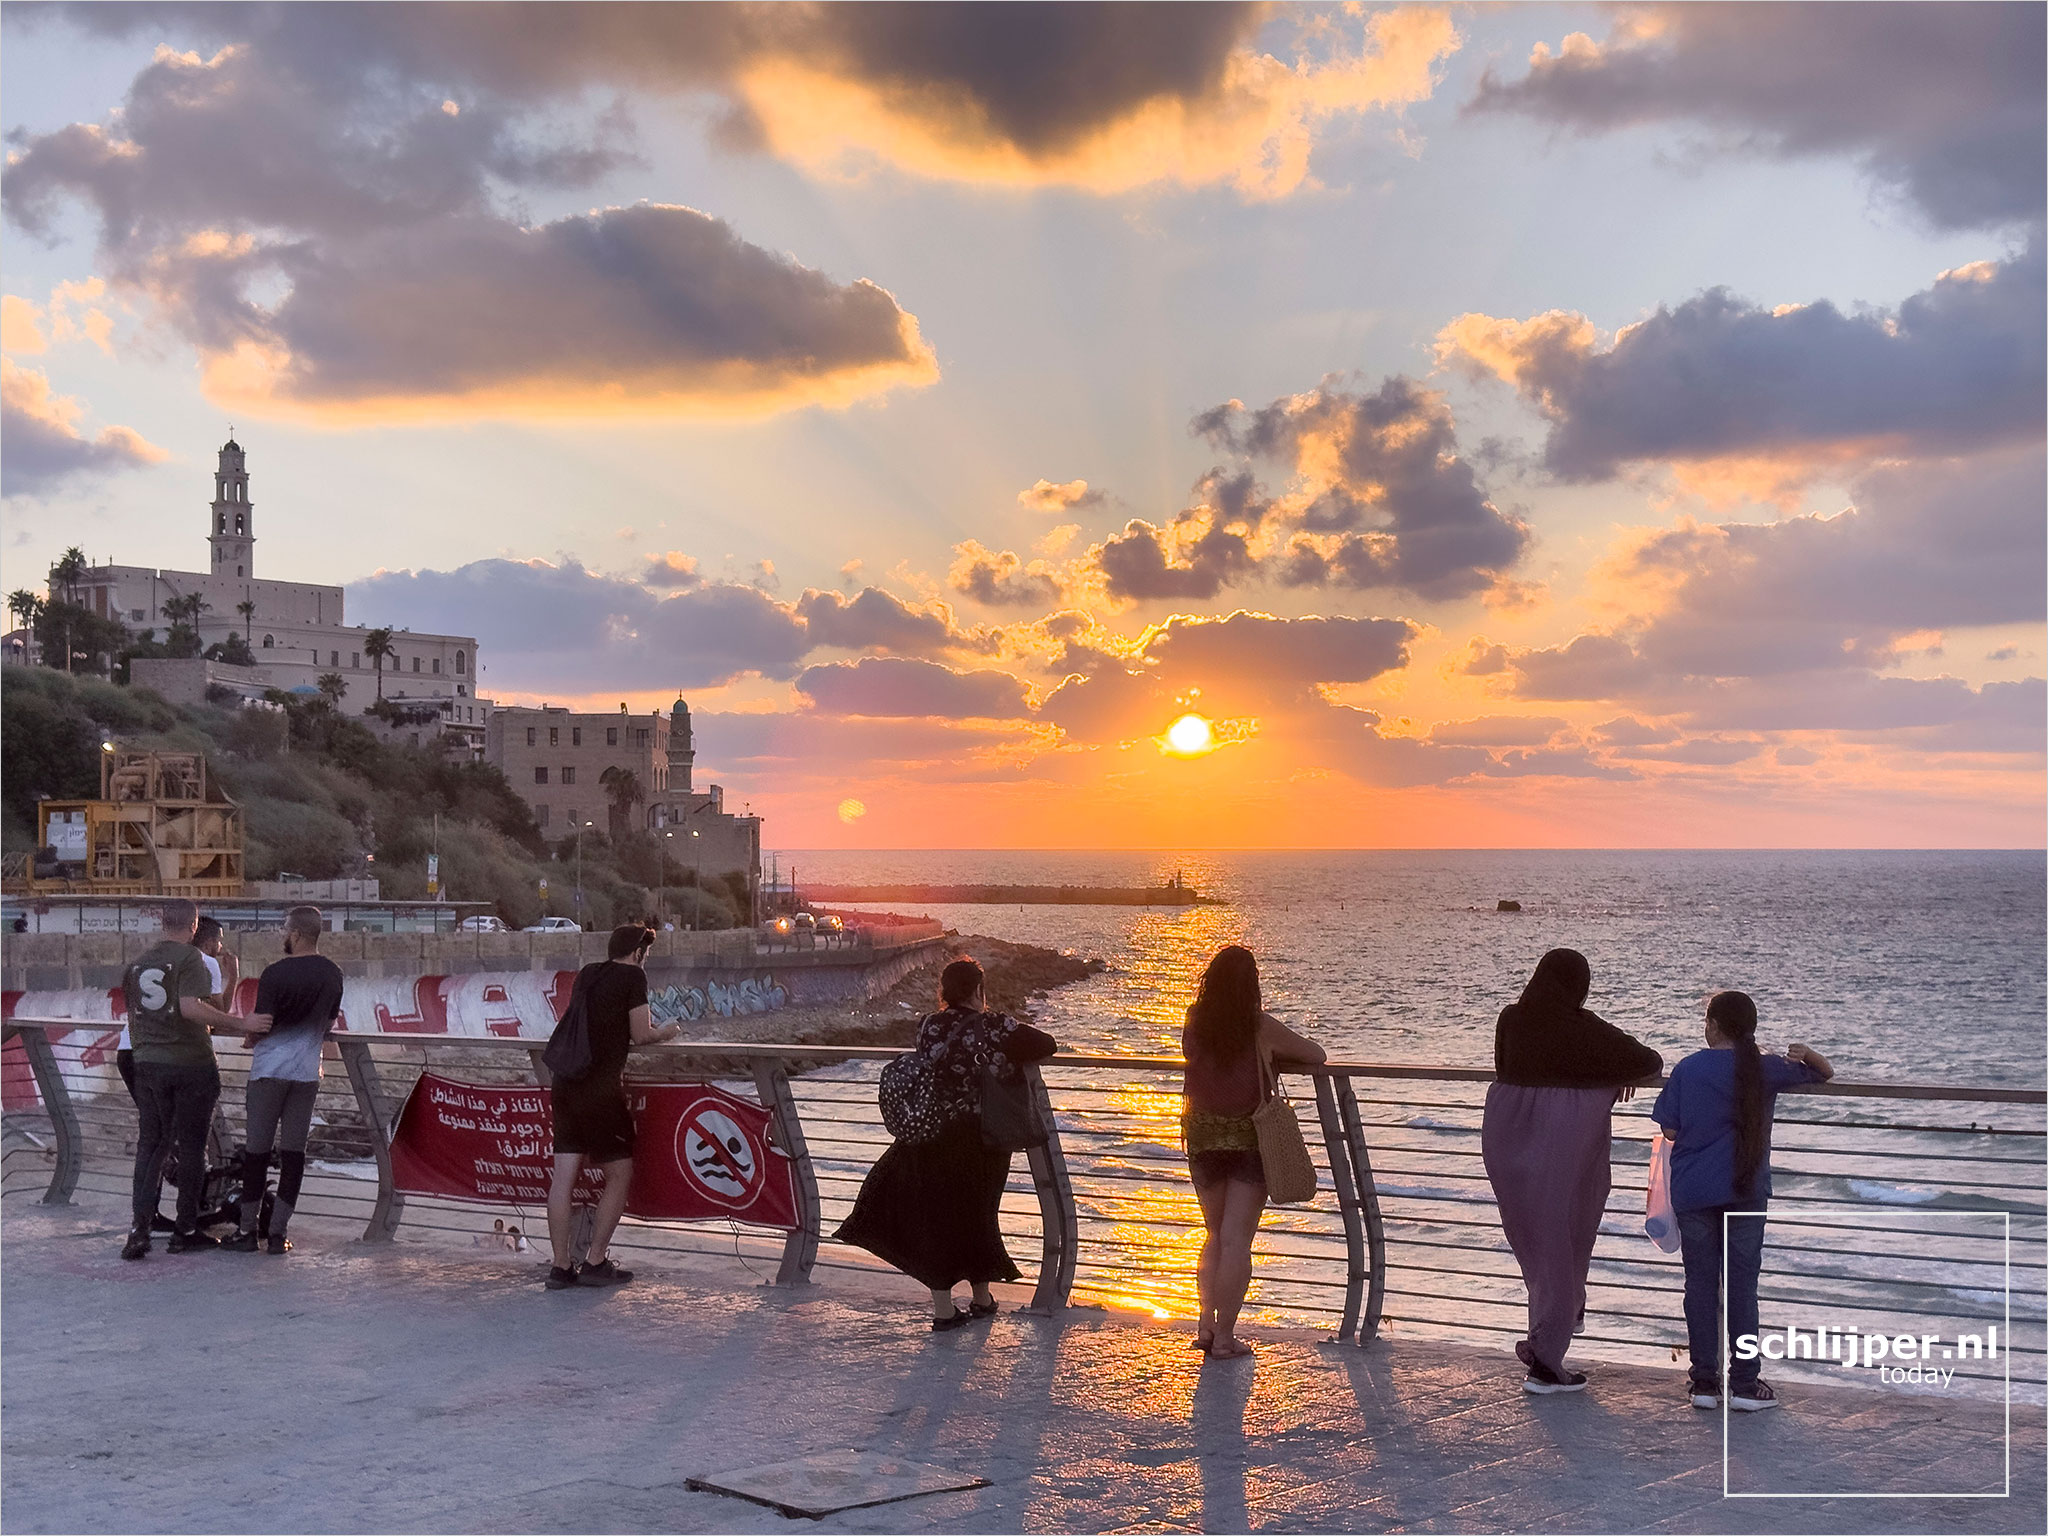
x=681 y=756
x=234 y=516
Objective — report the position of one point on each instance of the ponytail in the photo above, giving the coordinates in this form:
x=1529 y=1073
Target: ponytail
x=1734 y=1014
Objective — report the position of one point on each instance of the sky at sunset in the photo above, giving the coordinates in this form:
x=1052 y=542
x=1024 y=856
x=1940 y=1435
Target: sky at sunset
x=1522 y=426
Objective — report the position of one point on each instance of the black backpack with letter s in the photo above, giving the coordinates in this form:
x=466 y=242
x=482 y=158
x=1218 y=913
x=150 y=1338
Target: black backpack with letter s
x=567 y=1055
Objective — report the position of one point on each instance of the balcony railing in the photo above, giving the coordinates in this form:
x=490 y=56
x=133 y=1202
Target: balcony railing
x=1908 y=1207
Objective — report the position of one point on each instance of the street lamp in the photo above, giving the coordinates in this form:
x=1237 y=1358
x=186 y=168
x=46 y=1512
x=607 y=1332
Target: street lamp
x=580 y=825
x=696 y=878
x=662 y=848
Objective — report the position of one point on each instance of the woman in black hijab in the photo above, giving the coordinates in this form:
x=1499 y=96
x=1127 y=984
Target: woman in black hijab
x=1558 y=1070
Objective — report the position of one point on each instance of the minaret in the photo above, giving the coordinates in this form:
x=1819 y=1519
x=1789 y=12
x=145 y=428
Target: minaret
x=680 y=753
x=234 y=516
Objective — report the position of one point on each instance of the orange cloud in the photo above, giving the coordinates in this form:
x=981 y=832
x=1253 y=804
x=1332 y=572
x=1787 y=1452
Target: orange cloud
x=1253 y=130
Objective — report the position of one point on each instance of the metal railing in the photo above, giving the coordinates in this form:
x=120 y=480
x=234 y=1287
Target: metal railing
x=1886 y=1209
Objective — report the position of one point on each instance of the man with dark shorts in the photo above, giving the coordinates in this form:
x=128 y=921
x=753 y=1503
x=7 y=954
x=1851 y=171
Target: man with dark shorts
x=177 y=1080
x=591 y=1118
x=297 y=1002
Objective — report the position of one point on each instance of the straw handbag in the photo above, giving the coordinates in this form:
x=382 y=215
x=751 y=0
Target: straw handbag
x=1290 y=1174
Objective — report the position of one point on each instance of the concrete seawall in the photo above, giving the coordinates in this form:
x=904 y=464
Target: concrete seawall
x=40 y=964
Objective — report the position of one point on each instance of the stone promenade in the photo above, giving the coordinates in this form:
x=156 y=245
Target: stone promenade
x=418 y=1388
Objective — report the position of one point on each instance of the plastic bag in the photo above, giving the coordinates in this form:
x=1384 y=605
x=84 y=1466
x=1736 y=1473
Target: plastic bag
x=1660 y=1222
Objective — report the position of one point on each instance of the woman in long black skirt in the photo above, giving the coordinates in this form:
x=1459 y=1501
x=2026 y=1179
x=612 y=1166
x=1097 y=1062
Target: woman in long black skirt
x=930 y=1208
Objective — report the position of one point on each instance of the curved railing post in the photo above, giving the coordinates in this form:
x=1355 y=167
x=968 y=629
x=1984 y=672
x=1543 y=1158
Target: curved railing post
x=42 y=1063
x=389 y=1210
x=800 y=1248
x=1337 y=1145
x=1369 y=1209
x=1058 y=1220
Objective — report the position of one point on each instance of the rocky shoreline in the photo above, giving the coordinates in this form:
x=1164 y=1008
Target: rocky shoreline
x=1017 y=974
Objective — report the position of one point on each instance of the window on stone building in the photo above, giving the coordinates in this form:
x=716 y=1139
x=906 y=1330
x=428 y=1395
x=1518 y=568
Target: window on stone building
x=461 y=663
x=355 y=661
x=530 y=734
x=554 y=736
x=640 y=737
x=268 y=642
x=568 y=775
x=575 y=735
x=135 y=614
x=437 y=666
x=540 y=775
x=334 y=658
x=415 y=663
x=611 y=735
x=540 y=814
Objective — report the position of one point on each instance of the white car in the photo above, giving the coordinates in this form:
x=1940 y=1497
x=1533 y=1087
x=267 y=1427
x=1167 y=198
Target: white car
x=481 y=925
x=554 y=925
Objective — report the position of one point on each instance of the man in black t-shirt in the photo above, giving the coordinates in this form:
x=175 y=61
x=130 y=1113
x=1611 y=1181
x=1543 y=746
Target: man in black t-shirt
x=591 y=1117
x=177 y=1081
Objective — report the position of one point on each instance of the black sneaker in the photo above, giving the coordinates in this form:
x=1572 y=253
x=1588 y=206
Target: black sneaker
x=606 y=1273
x=191 y=1242
x=278 y=1244
x=242 y=1242
x=560 y=1279
x=1704 y=1394
x=1753 y=1398
x=162 y=1223
x=1542 y=1380
x=136 y=1246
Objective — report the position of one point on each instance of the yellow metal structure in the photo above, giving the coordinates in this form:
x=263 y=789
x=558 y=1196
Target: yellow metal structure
x=161 y=827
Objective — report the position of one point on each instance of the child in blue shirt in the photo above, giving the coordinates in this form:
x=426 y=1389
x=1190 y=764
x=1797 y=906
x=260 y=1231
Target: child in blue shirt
x=1716 y=1111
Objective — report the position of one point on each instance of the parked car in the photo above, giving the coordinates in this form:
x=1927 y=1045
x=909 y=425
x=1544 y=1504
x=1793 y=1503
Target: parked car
x=554 y=925
x=481 y=925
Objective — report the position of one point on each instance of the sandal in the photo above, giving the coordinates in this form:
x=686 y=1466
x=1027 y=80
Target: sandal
x=1204 y=1339
x=1238 y=1350
x=978 y=1309
x=959 y=1319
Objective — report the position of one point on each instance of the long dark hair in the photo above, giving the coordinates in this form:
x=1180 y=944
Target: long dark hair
x=1734 y=1014
x=1223 y=1022
x=1562 y=980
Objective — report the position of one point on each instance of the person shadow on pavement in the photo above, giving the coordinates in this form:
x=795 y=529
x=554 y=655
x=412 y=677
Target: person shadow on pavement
x=1216 y=1421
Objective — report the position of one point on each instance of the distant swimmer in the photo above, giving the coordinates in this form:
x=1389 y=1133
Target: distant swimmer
x=1716 y=1111
x=1546 y=1140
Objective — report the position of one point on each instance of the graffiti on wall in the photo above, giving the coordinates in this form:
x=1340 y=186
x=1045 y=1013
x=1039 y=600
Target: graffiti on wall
x=715 y=999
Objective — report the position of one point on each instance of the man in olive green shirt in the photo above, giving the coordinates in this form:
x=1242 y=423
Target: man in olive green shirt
x=177 y=1081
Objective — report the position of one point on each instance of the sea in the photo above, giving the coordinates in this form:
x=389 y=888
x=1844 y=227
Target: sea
x=1926 y=968
x=1916 y=967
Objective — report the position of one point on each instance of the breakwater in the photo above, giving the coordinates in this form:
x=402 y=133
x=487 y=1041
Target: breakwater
x=1172 y=895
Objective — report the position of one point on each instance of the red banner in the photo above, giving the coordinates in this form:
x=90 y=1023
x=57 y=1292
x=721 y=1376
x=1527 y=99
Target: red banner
x=699 y=1152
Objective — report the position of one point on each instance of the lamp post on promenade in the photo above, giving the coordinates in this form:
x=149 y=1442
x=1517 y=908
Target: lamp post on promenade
x=696 y=877
x=662 y=849
x=580 y=825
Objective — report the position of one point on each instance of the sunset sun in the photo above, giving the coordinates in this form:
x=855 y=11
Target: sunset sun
x=1190 y=736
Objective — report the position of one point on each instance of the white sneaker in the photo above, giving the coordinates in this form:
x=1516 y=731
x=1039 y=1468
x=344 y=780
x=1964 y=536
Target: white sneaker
x=1756 y=1399
x=1539 y=1382
x=1705 y=1397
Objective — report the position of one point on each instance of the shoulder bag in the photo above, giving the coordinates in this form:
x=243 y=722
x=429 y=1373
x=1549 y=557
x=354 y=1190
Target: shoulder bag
x=567 y=1056
x=1010 y=1121
x=1290 y=1172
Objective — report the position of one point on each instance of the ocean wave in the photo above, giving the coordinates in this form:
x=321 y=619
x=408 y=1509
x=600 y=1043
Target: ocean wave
x=1891 y=1194
x=1431 y=1123
x=1421 y=1192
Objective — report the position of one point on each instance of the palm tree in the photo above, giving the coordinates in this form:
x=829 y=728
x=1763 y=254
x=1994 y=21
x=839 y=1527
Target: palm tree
x=377 y=645
x=68 y=572
x=333 y=686
x=24 y=605
x=247 y=609
x=185 y=610
x=622 y=785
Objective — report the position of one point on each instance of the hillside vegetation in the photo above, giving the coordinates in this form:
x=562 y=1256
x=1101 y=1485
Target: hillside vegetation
x=321 y=797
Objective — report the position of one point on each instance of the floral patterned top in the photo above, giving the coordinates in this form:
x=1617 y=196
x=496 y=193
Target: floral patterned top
x=961 y=1044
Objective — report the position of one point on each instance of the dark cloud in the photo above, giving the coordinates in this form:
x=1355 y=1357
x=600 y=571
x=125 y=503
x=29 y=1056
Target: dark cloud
x=1190 y=559
x=1279 y=653
x=1381 y=473
x=328 y=230
x=1111 y=705
x=835 y=749
x=1944 y=102
x=543 y=627
x=905 y=686
x=41 y=447
x=1587 y=667
x=1956 y=367
x=1000 y=579
x=874 y=620
x=668 y=571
